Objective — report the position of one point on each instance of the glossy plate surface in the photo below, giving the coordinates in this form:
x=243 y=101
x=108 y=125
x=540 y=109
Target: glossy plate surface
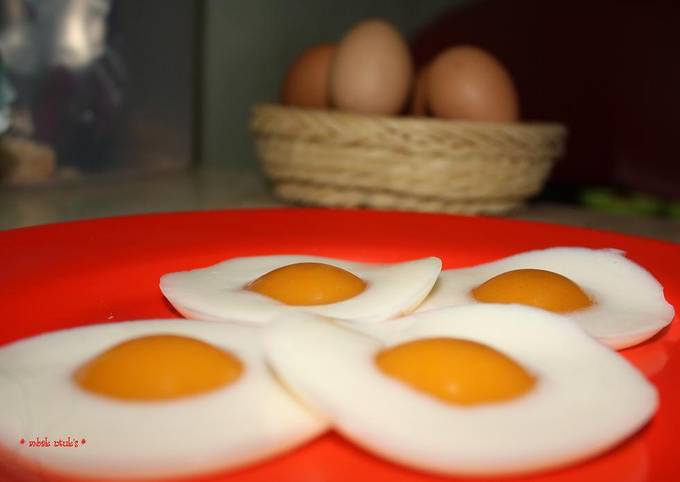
x=107 y=270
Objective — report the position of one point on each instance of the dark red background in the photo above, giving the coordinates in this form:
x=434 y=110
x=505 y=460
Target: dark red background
x=608 y=69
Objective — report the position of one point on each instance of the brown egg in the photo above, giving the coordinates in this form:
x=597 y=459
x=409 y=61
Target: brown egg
x=469 y=83
x=307 y=80
x=419 y=99
x=372 y=69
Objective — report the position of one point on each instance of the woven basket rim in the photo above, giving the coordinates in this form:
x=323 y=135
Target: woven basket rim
x=330 y=157
x=405 y=120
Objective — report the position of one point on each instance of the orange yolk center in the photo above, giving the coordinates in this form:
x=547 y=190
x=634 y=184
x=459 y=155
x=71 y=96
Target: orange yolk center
x=456 y=371
x=158 y=367
x=304 y=284
x=534 y=287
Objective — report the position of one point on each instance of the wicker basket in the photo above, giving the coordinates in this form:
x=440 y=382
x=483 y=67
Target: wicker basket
x=340 y=159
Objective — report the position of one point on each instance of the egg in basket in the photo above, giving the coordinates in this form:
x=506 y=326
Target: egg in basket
x=358 y=128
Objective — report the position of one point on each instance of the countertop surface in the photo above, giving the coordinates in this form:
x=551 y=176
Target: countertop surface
x=207 y=189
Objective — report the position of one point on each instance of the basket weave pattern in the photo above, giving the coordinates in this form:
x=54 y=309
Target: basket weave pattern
x=332 y=158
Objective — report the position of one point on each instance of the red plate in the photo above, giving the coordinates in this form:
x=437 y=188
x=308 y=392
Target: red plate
x=80 y=273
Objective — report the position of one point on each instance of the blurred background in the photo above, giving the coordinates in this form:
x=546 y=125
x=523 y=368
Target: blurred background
x=123 y=106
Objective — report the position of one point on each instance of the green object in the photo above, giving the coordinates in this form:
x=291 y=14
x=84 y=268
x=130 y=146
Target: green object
x=646 y=204
x=674 y=210
x=605 y=199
